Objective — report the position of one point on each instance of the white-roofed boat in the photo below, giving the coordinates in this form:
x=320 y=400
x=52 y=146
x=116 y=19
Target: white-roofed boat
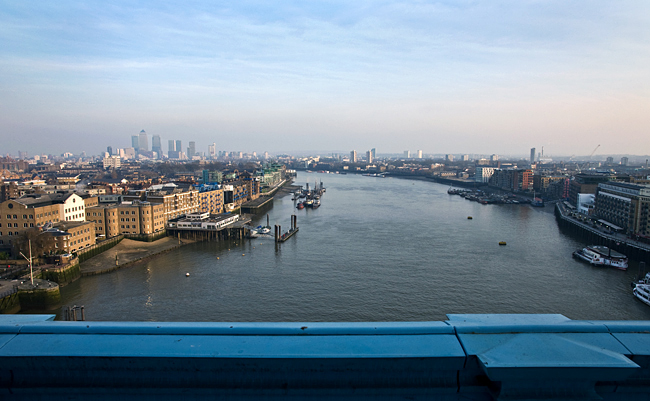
x=599 y=255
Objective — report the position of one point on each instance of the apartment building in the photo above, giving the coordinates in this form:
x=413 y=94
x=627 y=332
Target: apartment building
x=72 y=236
x=625 y=205
x=211 y=199
x=18 y=215
x=176 y=200
x=136 y=217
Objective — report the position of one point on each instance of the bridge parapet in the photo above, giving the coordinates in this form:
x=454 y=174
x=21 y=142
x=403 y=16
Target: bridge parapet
x=468 y=357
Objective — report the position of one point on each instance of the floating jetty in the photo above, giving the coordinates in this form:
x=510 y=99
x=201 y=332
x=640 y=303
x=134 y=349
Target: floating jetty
x=282 y=237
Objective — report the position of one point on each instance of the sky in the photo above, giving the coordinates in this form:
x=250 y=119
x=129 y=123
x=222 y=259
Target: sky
x=466 y=76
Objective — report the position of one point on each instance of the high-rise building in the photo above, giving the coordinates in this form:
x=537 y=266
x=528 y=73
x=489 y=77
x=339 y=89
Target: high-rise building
x=179 y=146
x=373 y=151
x=369 y=156
x=449 y=157
x=109 y=149
x=407 y=154
x=135 y=142
x=494 y=158
x=143 y=142
x=156 y=146
x=171 y=145
x=212 y=149
x=532 y=155
x=465 y=158
x=353 y=156
x=624 y=161
x=191 y=149
x=419 y=154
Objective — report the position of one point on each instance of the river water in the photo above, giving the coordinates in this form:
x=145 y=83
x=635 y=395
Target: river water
x=378 y=249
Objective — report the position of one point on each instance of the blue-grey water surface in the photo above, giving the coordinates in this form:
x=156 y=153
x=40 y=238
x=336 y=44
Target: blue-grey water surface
x=378 y=249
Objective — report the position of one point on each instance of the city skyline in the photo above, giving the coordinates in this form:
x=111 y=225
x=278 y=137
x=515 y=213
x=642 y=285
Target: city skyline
x=447 y=78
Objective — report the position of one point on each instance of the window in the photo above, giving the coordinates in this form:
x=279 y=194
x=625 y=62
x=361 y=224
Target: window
x=133 y=219
x=9 y=216
x=121 y=212
x=10 y=233
x=31 y=224
x=31 y=216
x=24 y=224
x=15 y=224
x=24 y=216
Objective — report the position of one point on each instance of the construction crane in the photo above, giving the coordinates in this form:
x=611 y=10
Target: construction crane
x=579 y=168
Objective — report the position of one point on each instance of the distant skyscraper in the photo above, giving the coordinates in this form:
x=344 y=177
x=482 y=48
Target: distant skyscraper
x=532 y=155
x=407 y=154
x=156 y=145
x=369 y=156
x=419 y=154
x=191 y=150
x=494 y=158
x=373 y=151
x=109 y=149
x=449 y=157
x=624 y=161
x=135 y=142
x=353 y=156
x=143 y=142
x=179 y=146
x=465 y=158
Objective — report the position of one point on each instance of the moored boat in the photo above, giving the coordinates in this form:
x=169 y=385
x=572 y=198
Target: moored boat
x=300 y=206
x=599 y=255
x=642 y=289
x=537 y=202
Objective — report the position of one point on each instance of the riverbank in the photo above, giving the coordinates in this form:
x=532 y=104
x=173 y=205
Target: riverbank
x=128 y=252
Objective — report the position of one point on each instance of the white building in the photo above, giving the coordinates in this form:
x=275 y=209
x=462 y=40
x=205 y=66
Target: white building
x=72 y=208
x=586 y=203
x=483 y=174
x=112 y=162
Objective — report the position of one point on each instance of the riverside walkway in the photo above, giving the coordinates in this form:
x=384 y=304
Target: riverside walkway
x=127 y=252
x=575 y=219
x=467 y=357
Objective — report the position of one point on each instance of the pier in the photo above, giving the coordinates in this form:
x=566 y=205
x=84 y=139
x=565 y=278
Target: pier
x=205 y=227
x=282 y=237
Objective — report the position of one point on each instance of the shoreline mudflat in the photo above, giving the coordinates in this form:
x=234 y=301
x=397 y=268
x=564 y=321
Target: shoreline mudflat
x=128 y=252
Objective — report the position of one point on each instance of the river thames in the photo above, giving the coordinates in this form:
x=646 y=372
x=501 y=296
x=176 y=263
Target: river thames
x=378 y=249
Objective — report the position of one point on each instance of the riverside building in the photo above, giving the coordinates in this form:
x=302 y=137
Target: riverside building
x=135 y=217
x=626 y=206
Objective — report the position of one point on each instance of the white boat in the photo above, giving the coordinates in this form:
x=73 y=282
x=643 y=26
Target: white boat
x=642 y=290
x=598 y=255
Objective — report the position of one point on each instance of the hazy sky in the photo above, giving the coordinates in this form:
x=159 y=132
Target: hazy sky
x=441 y=76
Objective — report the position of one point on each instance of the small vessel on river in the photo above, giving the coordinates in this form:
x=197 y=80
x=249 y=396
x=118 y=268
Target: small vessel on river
x=642 y=289
x=598 y=255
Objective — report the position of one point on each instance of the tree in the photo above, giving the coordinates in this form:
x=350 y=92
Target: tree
x=42 y=243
